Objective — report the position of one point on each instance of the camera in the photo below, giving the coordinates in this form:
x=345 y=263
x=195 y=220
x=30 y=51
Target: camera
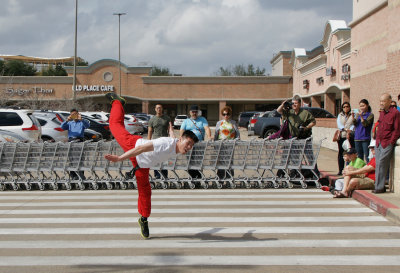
x=287 y=105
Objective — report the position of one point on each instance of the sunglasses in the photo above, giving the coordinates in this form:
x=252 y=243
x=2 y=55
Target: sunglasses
x=226 y=114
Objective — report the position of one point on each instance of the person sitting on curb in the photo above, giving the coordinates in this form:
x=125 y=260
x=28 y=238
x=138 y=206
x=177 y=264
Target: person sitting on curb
x=350 y=155
x=359 y=179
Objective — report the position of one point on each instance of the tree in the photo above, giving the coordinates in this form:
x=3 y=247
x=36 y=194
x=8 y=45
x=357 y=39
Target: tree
x=58 y=71
x=18 y=68
x=160 y=71
x=240 y=70
x=79 y=62
x=1 y=67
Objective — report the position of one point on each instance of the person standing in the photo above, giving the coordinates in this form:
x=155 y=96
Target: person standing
x=345 y=125
x=226 y=129
x=159 y=127
x=199 y=126
x=143 y=154
x=363 y=121
x=75 y=126
x=386 y=136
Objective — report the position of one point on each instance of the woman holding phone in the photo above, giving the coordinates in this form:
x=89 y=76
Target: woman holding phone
x=363 y=120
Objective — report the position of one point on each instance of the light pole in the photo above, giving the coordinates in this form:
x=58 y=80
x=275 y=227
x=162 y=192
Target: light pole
x=76 y=34
x=119 y=47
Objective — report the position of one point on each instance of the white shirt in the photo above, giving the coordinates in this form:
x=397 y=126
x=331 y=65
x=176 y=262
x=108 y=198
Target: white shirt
x=164 y=148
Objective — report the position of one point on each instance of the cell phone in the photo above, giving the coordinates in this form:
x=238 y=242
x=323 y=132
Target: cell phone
x=74 y=116
x=355 y=111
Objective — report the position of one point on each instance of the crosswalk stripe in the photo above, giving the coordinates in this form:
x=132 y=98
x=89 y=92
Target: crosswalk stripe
x=188 y=210
x=133 y=197
x=194 y=220
x=259 y=243
x=176 y=203
x=180 y=260
x=203 y=230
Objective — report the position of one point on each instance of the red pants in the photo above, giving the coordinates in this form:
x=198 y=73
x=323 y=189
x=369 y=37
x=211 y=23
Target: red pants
x=127 y=142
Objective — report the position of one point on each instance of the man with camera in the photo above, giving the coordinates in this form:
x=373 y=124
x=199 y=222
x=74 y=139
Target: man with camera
x=300 y=120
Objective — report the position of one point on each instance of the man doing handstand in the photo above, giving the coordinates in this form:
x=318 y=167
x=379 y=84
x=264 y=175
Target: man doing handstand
x=144 y=154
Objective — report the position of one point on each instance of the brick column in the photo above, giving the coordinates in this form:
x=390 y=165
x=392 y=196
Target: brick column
x=222 y=104
x=346 y=95
x=316 y=101
x=330 y=102
x=145 y=106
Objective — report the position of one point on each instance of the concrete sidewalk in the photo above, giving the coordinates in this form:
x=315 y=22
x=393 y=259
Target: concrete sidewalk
x=387 y=204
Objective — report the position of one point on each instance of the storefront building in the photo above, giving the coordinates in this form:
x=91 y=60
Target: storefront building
x=142 y=91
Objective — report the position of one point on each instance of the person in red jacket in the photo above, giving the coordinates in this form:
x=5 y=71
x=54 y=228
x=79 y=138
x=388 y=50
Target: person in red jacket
x=387 y=134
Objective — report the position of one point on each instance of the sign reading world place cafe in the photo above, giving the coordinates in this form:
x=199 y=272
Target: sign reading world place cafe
x=94 y=88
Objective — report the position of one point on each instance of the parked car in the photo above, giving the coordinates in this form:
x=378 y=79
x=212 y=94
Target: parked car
x=21 y=122
x=97 y=125
x=92 y=135
x=269 y=123
x=8 y=136
x=132 y=125
x=98 y=115
x=244 y=118
x=144 y=120
x=252 y=121
x=179 y=120
x=50 y=122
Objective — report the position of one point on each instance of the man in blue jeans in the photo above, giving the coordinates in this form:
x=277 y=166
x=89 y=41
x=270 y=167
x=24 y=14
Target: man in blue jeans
x=75 y=126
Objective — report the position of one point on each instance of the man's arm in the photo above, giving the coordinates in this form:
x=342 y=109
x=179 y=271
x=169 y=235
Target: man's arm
x=148 y=147
x=363 y=170
x=396 y=129
x=280 y=108
x=208 y=132
x=171 y=130
x=150 y=132
x=64 y=125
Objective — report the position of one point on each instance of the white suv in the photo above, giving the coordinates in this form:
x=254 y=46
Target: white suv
x=179 y=120
x=21 y=122
x=51 y=126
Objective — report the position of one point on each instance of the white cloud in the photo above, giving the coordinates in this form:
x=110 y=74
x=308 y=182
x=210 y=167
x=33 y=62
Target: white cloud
x=190 y=37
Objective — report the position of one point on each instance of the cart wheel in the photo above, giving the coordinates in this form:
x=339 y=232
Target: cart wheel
x=2 y=188
x=55 y=186
x=192 y=186
x=304 y=186
x=152 y=185
x=290 y=185
x=68 y=187
x=124 y=186
x=178 y=185
x=261 y=186
x=15 y=187
x=219 y=185
x=276 y=186
x=164 y=186
x=110 y=186
x=82 y=186
x=233 y=186
x=95 y=186
x=205 y=186
x=28 y=186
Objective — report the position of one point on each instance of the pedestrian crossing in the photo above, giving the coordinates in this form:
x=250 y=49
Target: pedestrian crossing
x=193 y=230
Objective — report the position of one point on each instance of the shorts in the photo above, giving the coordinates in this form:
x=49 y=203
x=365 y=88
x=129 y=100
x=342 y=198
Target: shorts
x=365 y=183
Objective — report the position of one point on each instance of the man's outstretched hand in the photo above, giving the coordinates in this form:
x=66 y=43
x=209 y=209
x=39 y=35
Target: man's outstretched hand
x=113 y=158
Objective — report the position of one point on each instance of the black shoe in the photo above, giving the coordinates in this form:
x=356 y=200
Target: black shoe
x=379 y=191
x=144 y=228
x=112 y=97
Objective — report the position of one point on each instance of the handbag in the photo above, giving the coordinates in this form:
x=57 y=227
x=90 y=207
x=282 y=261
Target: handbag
x=336 y=136
x=346 y=145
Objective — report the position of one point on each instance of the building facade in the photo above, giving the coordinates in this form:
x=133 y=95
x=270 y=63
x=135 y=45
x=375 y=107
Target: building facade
x=142 y=91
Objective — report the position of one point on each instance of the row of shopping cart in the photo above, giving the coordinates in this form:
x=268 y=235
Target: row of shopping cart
x=218 y=164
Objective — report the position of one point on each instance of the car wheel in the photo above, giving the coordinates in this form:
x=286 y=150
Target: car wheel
x=46 y=138
x=269 y=132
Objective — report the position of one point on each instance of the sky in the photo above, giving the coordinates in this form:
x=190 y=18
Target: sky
x=190 y=37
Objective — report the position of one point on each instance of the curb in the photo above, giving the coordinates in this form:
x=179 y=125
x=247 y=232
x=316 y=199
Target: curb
x=385 y=208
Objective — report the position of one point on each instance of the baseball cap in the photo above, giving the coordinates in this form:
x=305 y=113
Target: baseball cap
x=350 y=151
x=194 y=108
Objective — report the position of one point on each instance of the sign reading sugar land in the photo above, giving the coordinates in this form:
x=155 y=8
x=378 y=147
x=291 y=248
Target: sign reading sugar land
x=94 y=88
x=34 y=90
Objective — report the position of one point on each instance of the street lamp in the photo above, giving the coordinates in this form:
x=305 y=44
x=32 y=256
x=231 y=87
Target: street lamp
x=119 y=47
x=75 y=46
